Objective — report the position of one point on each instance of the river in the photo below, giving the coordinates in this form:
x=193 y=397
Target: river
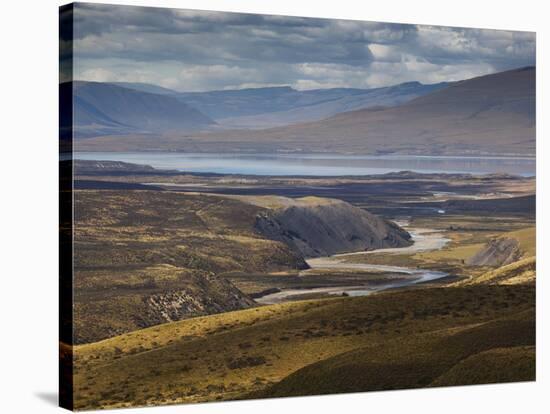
x=424 y=240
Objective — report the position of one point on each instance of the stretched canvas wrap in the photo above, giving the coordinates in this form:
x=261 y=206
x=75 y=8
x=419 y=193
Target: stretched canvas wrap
x=259 y=206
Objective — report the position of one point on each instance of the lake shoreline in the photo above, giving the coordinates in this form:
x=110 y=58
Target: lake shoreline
x=319 y=164
x=319 y=153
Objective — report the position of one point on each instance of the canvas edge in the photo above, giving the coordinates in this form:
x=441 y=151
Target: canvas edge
x=66 y=365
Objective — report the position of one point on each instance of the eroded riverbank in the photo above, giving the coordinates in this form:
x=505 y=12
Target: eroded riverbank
x=393 y=276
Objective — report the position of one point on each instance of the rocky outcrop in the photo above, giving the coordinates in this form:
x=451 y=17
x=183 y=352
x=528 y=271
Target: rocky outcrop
x=207 y=296
x=497 y=252
x=118 y=310
x=323 y=227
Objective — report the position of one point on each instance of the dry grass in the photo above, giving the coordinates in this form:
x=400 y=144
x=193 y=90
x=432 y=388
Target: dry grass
x=496 y=365
x=230 y=355
x=421 y=360
x=522 y=271
x=132 y=247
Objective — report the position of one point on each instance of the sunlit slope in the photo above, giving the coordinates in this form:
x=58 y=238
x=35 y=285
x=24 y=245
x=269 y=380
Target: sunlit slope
x=510 y=364
x=520 y=270
x=237 y=354
x=527 y=239
x=418 y=361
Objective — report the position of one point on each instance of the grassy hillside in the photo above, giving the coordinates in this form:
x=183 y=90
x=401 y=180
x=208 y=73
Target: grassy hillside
x=510 y=364
x=418 y=361
x=149 y=257
x=261 y=351
x=521 y=271
x=527 y=239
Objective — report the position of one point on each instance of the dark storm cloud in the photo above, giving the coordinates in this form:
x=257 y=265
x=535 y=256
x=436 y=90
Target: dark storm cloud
x=196 y=50
x=193 y=37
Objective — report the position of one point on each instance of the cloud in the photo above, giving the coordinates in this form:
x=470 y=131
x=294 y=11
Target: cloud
x=100 y=75
x=198 y=50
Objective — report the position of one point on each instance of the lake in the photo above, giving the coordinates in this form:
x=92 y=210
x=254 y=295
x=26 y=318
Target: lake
x=317 y=164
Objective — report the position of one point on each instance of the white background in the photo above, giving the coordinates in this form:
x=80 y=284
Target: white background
x=28 y=203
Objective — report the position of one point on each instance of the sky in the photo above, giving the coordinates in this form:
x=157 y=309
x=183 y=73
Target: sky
x=189 y=50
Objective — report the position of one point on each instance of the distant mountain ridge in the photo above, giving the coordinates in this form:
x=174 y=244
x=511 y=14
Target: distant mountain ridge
x=267 y=107
x=482 y=114
x=116 y=108
x=341 y=101
x=488 y=115
x=145 y=87
x=105 y=109
x=491 y=114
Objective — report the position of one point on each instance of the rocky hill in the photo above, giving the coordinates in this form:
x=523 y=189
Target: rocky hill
x=512 y=257
x=497 y=252
x=147 y=296
x=323 y=227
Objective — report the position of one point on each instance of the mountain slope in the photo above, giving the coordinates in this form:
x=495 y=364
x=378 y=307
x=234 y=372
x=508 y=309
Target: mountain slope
x=143 y=258
x=101 y=109
x=414 y=361
x=394 y=339
x=145 y=87
x=493 y=113
x=323 y=227
x=135 y=268
x=342 y=100
x=277 y=106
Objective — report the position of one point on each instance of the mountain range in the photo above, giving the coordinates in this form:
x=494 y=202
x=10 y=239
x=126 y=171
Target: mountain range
x=491 y=114
x=122 y=108
x=277 y=106
x=103 y=109
x=487 y=114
